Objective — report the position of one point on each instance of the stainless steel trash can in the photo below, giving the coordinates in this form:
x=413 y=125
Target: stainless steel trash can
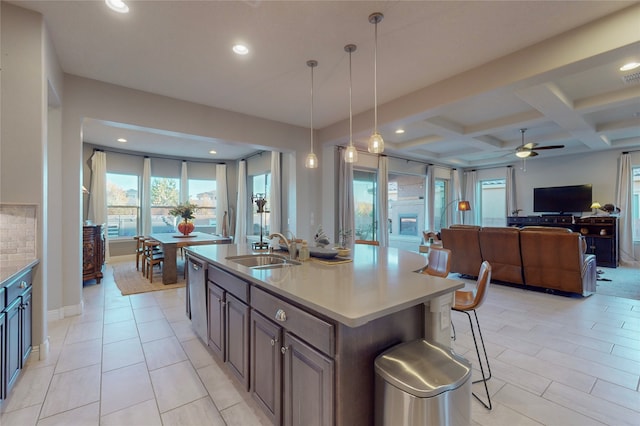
x=422 y=383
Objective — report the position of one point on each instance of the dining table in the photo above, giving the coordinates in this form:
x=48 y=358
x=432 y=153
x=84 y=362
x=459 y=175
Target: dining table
x=170 y=243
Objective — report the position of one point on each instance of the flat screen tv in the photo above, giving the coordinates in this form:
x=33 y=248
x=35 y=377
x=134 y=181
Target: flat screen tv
x=562 y=199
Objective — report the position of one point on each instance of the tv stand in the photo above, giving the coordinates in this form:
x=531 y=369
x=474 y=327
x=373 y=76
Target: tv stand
x=600 y=232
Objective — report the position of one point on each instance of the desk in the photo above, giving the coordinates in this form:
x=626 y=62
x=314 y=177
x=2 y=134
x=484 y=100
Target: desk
x=170 y=243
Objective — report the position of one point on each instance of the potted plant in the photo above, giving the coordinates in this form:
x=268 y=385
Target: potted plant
x=185 y=211
x=344 y=238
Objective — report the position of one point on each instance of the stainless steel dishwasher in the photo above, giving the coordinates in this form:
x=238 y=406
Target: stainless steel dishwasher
x=197 y=284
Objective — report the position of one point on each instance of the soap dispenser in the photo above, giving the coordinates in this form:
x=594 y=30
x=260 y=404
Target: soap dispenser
x=303 y=254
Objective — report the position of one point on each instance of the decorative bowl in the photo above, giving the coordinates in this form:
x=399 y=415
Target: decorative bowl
x=343 y=252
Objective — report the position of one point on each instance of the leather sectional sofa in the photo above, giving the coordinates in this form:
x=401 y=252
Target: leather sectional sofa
x=544 y=257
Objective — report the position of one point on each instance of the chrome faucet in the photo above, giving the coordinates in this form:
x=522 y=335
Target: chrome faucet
x=291 y=245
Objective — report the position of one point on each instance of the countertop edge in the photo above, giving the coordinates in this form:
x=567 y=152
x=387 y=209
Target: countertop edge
x=19 y=268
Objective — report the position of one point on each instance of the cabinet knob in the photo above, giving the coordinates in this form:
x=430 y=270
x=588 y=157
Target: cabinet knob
x=284 y=350
x=23 y=284
x=281 y=315
x=195 y=266
x=273 y=342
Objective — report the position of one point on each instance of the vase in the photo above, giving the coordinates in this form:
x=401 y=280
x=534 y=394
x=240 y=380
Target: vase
x=186 y=227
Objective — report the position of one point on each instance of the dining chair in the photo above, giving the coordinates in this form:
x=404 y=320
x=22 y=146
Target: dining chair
x=469 y=301
x=139 y=250
x=153 y=256
x=439 y=262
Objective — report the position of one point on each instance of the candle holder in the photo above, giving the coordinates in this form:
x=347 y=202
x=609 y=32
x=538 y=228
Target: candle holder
x=261 y=202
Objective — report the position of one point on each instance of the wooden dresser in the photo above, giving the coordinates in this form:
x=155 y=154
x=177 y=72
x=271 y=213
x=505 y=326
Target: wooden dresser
x=92 y=252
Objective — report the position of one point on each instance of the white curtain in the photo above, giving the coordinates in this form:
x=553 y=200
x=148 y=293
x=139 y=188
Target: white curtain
x=184 y=183
x=457 y=196
x=383 y=201
x=145 y=200
x=628 y=255
x=240 y=236
x=431 y=198
x=470 y=194
x=222 y=200
x=275 y=196
x=98 y=206
x=511 y=201
x=346 y=210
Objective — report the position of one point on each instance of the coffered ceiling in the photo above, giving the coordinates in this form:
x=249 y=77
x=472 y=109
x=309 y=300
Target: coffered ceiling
x=461 y=78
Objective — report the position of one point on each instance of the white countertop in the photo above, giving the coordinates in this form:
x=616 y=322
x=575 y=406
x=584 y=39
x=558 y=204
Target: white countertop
x=378 y=282
x=10 y=269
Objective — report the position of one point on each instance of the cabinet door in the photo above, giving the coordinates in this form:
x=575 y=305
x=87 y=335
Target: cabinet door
x=3 y=334
x=308 y=385
x=237 y=334
x=266 y=365
x=605 y=254
x=25 y=325
x=13 y=351
x=216 y=320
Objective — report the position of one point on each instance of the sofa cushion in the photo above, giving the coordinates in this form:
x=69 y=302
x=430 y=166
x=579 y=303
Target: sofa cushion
x=501 y=248
x=465 y=249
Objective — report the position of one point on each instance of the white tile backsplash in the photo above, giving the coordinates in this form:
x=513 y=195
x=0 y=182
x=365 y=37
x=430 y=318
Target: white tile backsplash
x=17 y=232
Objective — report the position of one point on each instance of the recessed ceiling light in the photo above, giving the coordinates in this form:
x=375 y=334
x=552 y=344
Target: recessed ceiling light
x=630 y=66
x=117 y=6
x=240 y=49
x=122 y=140
x=399 y=131
x=213 y=151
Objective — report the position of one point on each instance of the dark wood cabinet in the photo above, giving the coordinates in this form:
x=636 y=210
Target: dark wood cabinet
x=3 y=335
x=228 y=321
x=308 y=385
x=13 y=350
x=266 y=366
x=92 y=252
x=600 y=233
x=26 y=310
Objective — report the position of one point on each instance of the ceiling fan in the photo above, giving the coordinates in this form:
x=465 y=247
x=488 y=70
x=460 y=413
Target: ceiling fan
x=530 y=149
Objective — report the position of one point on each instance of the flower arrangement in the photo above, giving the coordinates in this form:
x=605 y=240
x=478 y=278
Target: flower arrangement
x=344 y=235
x=185 y=210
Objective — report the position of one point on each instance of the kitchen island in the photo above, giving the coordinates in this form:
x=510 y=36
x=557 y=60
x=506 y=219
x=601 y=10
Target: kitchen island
x=302 y=339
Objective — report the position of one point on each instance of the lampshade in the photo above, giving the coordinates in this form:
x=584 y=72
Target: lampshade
x=350 y=154
x=464 y=206
x=523 y=154
x=312 y=161
x=376 y=143
x=595 y=205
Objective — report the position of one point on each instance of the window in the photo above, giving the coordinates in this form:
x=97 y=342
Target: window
x=406 y=210
x=635 y=200
x=260 y=186
x=440 y=202
x=165 y=194
x=202 y=192
x=123 y=205
x=364 y=203
x=493 y=202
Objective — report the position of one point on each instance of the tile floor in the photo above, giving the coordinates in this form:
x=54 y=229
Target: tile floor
x=134 y=360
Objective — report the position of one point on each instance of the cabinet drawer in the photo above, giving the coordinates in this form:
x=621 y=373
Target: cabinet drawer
x=3 y=301
x=233 y=285
x=306 y=326
x=17 y=286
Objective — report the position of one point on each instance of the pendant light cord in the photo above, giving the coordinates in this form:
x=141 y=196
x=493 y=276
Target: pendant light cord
x=375 y=80
x=350 y=113
x=312 y=66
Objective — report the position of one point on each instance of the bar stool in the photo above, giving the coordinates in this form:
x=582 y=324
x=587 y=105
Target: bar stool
x=140 y=239
x=466 y=301
x=153 y=256
x=439 y=262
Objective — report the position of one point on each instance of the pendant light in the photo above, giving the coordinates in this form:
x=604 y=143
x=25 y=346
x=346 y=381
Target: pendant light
x=350 y=154
x=311 y=161
x=376 y=143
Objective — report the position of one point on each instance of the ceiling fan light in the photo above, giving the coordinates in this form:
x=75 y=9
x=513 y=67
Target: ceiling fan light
x=376 y=143
x=523 y=154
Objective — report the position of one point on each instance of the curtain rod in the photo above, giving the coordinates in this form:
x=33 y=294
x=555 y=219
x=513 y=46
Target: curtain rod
x=164 y=157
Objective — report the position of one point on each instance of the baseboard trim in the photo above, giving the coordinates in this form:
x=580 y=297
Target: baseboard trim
x=65 y=311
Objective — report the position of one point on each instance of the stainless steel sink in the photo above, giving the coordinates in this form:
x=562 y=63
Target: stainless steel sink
x=263 y=261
